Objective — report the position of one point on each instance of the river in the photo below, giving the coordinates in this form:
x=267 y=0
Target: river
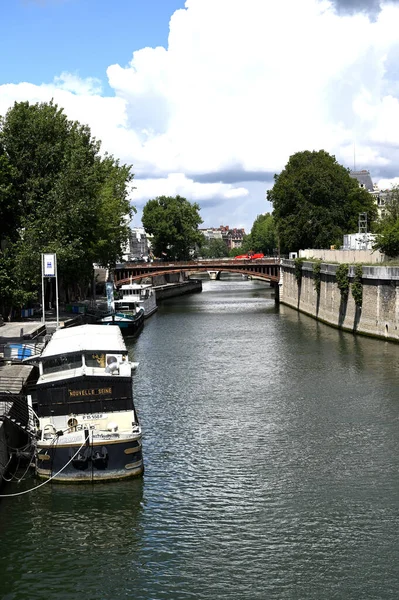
x=271 y=448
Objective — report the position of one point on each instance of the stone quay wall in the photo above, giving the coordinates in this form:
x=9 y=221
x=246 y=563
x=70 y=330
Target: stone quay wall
x=379 y=314
x=344 y=256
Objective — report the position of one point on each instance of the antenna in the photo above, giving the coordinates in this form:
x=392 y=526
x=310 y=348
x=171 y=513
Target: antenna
x=354 y=156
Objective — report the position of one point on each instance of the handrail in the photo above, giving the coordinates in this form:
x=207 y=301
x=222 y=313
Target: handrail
x=15 y=408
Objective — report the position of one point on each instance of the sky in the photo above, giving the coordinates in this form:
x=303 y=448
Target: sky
x=209 y=98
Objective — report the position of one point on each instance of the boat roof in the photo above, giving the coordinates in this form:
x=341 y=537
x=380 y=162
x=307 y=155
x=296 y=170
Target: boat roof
x=85 y=338
x=129 y=286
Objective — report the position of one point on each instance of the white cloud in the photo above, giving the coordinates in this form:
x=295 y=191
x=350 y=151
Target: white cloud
x=387 y=184
x=73 y=83
x=242 y=85
x=177 y=183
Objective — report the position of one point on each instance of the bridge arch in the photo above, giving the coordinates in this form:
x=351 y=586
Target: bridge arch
x=267 y=269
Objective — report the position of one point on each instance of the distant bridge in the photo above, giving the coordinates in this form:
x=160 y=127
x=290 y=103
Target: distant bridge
x=264 y=268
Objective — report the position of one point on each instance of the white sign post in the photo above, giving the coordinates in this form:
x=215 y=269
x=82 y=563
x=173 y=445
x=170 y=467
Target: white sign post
x=49 y=269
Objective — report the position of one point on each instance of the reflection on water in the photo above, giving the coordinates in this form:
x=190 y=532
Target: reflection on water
x=68 y=532
x=272 y=468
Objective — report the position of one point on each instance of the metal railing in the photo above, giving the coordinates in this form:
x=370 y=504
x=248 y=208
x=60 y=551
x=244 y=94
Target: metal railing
x=19 y=351
x=15 y=409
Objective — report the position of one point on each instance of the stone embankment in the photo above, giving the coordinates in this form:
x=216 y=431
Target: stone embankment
x=378 y=315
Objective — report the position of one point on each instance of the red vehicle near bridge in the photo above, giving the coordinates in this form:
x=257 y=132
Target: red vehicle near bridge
x=249 y=256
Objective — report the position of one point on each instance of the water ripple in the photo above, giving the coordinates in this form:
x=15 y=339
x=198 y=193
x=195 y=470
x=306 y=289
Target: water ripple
x=272 y=469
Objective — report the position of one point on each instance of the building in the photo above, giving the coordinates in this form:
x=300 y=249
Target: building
x=233 y=238
x=211 y=233
x=364 y=179
x=359 y=241
x=138 y=245
x=381 y=197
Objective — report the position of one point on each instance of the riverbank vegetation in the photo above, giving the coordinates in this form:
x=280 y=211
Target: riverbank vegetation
x=58 y=194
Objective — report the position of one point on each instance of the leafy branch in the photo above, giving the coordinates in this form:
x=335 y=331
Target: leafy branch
x=357 y=286
x=342 y=279
x=298 y=263
x=317 y=276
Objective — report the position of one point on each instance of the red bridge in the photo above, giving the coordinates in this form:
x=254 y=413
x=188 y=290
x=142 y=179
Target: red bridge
x=264 y=268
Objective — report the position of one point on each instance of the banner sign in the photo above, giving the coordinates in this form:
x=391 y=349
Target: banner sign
x=109 y=288
x=49 y=265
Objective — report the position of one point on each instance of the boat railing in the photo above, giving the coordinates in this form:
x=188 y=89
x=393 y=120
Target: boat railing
x=15 y=409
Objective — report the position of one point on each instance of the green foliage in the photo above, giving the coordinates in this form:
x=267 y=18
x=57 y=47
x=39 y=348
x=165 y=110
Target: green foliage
x=173 y=221
x=215 y=248
x=342 y=279
x=263 y=236
x=315 y=201
x=298 y=263
x=387 y=240
x=317 y=276
x=9 y=207
x=57 y=195
x=391 y=210
x=357 y=286
x=237 y=251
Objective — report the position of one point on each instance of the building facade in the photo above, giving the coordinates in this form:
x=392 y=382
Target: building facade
x=233 y=238
x=381 y=197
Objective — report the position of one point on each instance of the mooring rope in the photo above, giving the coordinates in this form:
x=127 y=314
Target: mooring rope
x=47 y=480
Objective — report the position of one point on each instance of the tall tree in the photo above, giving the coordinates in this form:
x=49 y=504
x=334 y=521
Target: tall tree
x=315 y=202
x=173 y=221
x=9 y=207
x=67 y=198
x=215 y=248
x=263 y=235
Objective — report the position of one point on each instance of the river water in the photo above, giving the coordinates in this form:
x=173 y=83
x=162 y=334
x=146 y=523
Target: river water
x=271 y=447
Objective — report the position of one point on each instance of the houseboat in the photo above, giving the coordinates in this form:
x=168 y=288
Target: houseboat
x=88 y=426
x=128 y=315
x=142 y=293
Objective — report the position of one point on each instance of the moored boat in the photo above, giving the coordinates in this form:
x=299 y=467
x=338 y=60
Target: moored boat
x=128 y=315
x=88 y=425
x=142 y=293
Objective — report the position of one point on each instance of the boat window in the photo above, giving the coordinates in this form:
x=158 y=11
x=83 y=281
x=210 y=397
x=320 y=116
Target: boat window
x=95 y=359
x=62 y=362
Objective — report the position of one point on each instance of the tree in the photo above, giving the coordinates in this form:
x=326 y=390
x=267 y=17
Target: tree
x=315 y=201
x=65 y=199
x=173 y=221
x=215 y=248
x=387 y=240
x=263 y=235
x=9 y=209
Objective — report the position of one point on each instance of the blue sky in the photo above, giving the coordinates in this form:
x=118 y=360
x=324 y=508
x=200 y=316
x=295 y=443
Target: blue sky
x=209 y=98
x=43 y=38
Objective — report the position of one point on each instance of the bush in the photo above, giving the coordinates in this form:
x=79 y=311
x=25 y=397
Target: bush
x=342 y=279
x=357 y=286
x=298 y=269
x=317 y=276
